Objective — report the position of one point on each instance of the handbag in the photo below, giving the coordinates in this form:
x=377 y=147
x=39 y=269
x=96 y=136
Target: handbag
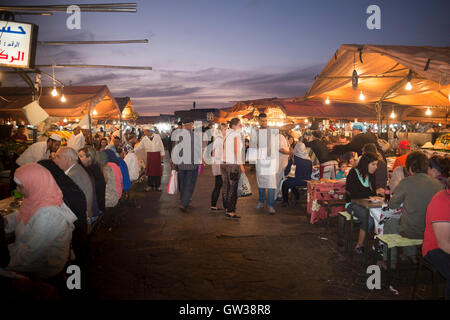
x=172 y=187
x=244 y=189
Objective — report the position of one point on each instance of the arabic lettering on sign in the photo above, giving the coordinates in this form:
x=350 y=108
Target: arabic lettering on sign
x=8 y=30
x=20 y=56
x=15 y=44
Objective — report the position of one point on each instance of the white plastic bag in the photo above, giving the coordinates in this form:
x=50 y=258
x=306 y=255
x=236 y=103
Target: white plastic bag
x=292 y=172
x=133 y=165
x=244 y=189
x=172 y=187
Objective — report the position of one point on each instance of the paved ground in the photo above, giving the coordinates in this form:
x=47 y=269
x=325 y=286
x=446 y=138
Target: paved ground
x=158 y=252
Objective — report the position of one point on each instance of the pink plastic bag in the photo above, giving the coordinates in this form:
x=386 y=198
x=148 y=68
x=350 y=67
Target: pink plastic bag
x=201 y=167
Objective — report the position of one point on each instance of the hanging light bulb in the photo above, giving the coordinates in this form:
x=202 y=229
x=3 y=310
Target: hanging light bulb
x=361 y=96
x=63 y=98
x=77 y=120
x=65 y=120
x=393 y=115
x=428 y=112
x=408 y=86
x=327 y=101
x=54 y=92
x=94 y=113
x=306 y=120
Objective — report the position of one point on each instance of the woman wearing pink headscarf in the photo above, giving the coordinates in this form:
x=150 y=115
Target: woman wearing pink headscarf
x=43 y=227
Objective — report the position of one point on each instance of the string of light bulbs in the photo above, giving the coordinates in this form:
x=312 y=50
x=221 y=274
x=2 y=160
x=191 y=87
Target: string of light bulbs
x=54 y=92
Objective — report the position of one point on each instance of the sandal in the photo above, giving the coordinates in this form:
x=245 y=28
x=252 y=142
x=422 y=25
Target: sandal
x=215 y=209
x=232 y=215
x=359 y=249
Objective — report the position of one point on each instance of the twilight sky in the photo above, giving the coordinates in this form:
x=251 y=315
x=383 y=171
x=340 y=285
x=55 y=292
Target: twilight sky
x=216 y=52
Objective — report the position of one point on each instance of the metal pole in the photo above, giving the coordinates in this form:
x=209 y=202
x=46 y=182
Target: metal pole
x=61 y=43
x=34 y=13
x=121 y=7
x=90 y=124
x=378 y=107
x=120 y=125
x=93 y=66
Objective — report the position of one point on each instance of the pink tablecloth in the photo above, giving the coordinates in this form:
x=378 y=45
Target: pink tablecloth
x=324 y=190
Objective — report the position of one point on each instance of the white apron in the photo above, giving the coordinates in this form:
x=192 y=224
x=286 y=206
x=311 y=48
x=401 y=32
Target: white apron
x=263 y=176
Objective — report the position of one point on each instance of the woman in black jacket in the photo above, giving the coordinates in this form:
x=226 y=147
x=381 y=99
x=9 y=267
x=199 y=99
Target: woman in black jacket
x=360 y=184
x=381 y=174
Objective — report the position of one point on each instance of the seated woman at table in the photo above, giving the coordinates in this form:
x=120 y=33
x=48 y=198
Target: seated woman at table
x=439 y=168
x=303 y=170
x=43 y=227
x=111 y=188
x=360 y=184
x=414 y=193
x=381 y=174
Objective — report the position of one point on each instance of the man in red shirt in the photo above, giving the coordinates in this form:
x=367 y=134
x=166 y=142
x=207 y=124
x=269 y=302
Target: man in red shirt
x=404 y=147
x=436 y=242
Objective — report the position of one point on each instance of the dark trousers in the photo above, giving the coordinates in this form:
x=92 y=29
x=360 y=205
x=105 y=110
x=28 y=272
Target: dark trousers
x=154 y=182
x=231 y=174
x=187 y=180
x=216 y=192
x=290 y=183
x=441 y=261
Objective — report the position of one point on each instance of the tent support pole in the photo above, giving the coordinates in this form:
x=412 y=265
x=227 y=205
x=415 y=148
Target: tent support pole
x=90 y=124
x=378 y=107
x=120 y=126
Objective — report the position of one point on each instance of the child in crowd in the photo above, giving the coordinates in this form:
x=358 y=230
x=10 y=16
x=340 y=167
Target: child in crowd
x=342 y=173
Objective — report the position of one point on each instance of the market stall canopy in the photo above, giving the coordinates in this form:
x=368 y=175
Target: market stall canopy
x=273 y=107
x=125 y=107
x=383 y=72
x=318 y=109
x=78 y=100
x=294 y=108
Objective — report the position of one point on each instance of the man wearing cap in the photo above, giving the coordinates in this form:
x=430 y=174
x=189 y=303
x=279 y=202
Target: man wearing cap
x=40 y=150
x=116 y=132
x=153 y=146
x=404 y=148
x=76 y=141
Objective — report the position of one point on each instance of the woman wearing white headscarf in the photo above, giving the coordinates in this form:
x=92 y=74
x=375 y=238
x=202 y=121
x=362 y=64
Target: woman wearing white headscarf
x=303 y=170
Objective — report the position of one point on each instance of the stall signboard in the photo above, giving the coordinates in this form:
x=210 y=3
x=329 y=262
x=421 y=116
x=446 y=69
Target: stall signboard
x=18 y=44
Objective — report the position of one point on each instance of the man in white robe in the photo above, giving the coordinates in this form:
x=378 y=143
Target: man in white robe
x=76 y=141
x=39 y=150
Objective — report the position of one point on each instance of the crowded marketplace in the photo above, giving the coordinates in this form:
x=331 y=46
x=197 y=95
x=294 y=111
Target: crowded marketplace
x=352 y=174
